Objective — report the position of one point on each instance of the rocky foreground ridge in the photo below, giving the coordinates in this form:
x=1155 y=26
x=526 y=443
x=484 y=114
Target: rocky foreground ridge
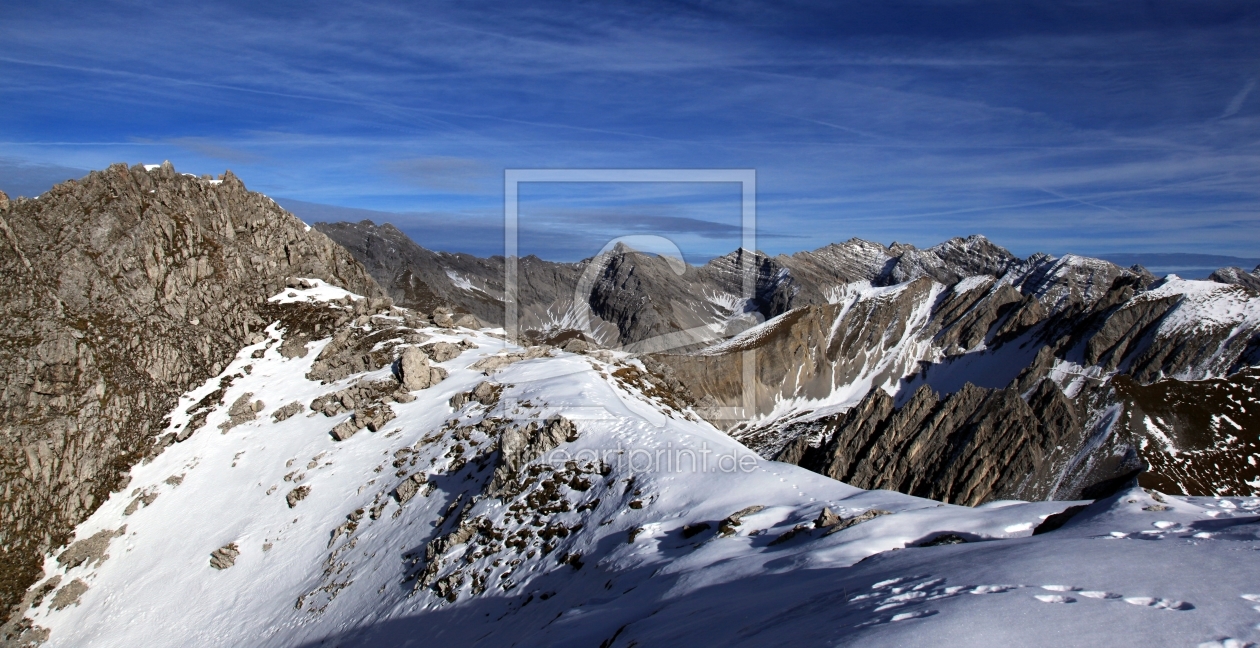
x=122 y=291
x=477 y=493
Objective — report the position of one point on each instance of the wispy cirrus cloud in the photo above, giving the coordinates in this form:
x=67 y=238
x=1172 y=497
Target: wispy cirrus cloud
x=444 y=173
x=1236 y=103
x=1046 y=126
x=216 y=150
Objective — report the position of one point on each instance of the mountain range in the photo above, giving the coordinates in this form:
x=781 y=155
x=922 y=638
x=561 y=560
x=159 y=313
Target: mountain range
x=906 y=368
x=225 y=426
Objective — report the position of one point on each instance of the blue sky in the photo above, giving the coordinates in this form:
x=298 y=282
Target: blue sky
x=1048 y=126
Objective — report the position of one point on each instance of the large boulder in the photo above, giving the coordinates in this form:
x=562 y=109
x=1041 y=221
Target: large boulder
x=442 y=317
x=443 y=351
x=413 y=369
x=467 y=320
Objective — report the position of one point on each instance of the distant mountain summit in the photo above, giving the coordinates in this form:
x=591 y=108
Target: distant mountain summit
x=635 y=295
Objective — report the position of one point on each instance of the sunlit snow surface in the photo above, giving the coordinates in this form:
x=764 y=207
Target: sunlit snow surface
x=1128 y=571
x=321 y=291
x=1205 y=305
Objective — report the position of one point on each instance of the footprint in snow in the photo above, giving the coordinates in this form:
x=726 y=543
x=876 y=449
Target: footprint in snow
x=906 y=616
x=901 y=592
x=1099 y=594
x=992 y=589
x=1227 y=642
x=890 y=582
x=906 y=592
x=1143 y=601
x=903 y=616
x=1158 y=603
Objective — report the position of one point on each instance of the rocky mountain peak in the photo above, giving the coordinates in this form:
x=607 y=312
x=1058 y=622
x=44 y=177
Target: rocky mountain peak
x=387 y=227
x=737 y=256
x=620 y=248
x=126 y=287
x=1237 y=276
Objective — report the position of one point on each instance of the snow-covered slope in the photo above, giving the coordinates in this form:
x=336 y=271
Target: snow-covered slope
x=642 y=525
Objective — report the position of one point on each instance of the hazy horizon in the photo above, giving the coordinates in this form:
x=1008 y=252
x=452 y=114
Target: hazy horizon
x=439 y=235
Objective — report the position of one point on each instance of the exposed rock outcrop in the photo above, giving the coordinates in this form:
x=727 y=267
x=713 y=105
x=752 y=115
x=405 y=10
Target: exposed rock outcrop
x=367 y=346
x=443 y=351
x=489 y=364
x=243 y=410
x=287 y=412
x=1238 y=276
x=296 y=495
x=731 y=523
x=966 y=448
x=521 y=444
x=486 y=393
x=90 y=550
x=69 y=595
x=409 y=487
x=224 y=556
x=123 y=290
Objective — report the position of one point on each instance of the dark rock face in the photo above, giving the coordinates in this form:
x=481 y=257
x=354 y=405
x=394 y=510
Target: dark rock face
x=968 y=447
x=124 y=290
x=1204 y=432
x=420 y=279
